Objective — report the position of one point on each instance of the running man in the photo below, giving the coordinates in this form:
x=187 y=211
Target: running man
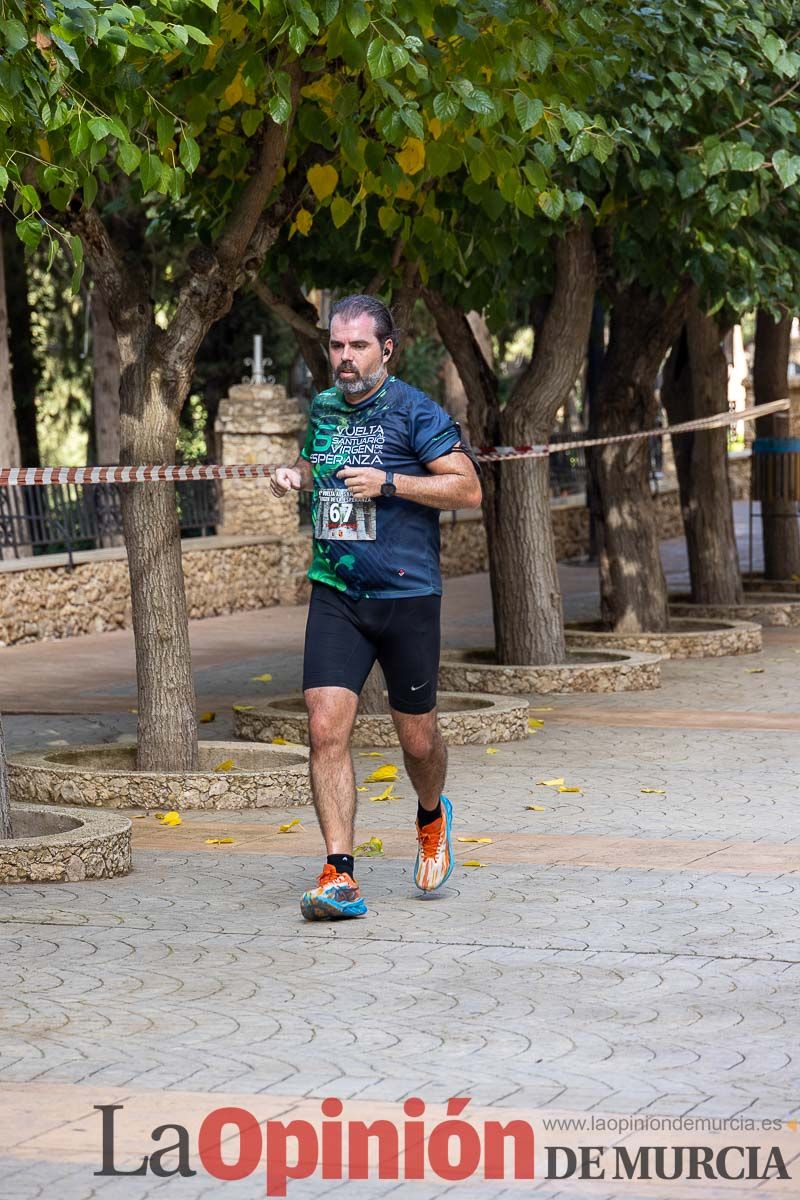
x=382 y=460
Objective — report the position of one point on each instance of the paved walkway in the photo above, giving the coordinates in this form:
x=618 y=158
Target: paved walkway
x=631 y=949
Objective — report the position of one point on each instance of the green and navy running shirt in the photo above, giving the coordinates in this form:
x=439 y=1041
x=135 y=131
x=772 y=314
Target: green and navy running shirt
x=397 y=429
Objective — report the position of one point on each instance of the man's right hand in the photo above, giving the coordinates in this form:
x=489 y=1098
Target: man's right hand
x=284 y=480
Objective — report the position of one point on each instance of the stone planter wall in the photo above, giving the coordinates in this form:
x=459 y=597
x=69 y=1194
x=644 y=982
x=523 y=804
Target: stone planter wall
x=62 y=845
x=686 y=639
x=762 y=607
x=586 y=671
x=104 y=776
x=474 y=719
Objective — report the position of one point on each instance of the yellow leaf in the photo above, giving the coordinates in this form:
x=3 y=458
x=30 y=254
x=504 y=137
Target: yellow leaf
x=569 y=789
x=551 y=783
x=261 y=678
x=289 y=825
x=477 y=841
x=550 y=709
x=323 y=180
x=207 y=718
x=386 y=794
x=211 y=54
x=341 y=211
x=382 y=774
x=436 y=127
x=754 y=670
x=133 y=710
x=369 y=849
x=653 y=791
x=473 y=862
x=361 y=789
x=44 y=149
x=536 y=807
x=170 y=818
x=242 y=707
x=227 y=765
x=304 y=220
x=279 y=741
x=404 y=189
x=534 y=724
x=371 y=754
x=412 y=157
x=234 y=91
x=219 y=841
x=325 y=88
x=492 y=750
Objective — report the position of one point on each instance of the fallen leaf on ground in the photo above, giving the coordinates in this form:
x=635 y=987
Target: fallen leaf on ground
x=386 y=794
x=550 y=709
x=219 y=841
x=279 y=741
x=478 y=841
x=473 y=862
x=261 y=678
x=536 y=807
x=361 y=789
x=492 y=750
x=551 y=782
x=227 y=765
x=133 y=710
x=754 y=670
x=569 y=789
x=653 y=791
x=382 y=774
x=207 y=718
x=138 y=816
x=369 y=849
x=289 y=825
x=242 y=707
x=534 y=724
x=371 y=754
x=170 y=818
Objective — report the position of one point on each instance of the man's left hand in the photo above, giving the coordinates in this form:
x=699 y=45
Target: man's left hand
x=364 y=483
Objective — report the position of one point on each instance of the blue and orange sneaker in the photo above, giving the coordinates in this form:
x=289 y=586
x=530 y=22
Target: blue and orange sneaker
x=435 y=854
x=335 y=896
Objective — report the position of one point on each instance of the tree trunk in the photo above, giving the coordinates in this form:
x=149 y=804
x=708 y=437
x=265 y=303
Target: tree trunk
x=9 y=438
x=372 y=699
x=770 y=372
x=105 y=383
x=696 y=385
x=526 y=597
x=24 y=369
x=6 y=830
x=151 y=397
x=633 y=589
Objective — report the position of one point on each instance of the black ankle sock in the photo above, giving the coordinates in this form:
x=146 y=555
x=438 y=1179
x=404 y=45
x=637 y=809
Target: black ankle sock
x=425 y=815
x=345 y=863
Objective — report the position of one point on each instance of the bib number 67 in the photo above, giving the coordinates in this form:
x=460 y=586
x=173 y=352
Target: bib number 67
x=338 y=513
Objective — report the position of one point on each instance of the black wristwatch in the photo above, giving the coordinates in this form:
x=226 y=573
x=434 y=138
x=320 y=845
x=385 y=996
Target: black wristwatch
x=388 y=488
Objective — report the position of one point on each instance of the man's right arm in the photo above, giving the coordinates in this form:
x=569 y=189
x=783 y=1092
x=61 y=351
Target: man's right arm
x=299 y=478
x=304 y=467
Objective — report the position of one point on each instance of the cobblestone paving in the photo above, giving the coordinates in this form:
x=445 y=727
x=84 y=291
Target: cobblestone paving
x=639 y=983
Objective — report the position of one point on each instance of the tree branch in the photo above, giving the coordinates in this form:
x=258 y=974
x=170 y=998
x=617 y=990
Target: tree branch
x=478 y=378
x=299 y=314
x=284 y=310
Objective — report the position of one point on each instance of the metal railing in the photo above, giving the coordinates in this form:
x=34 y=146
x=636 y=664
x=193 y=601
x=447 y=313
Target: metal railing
x=65 y=518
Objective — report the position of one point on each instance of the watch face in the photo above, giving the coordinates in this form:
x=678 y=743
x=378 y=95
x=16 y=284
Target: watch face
x=388 y=489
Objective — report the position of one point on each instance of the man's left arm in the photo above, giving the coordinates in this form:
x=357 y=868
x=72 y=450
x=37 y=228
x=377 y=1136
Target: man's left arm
x=452 y=482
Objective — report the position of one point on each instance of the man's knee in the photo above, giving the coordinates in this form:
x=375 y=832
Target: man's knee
x=420 y=739
x=329 y=724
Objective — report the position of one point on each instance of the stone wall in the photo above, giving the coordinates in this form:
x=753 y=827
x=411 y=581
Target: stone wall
x=42 y=599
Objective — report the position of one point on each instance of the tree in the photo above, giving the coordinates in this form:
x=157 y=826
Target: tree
x=227 y=127
x=770 y=370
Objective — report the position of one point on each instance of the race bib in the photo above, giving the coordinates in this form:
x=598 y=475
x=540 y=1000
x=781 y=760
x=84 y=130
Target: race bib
x=340 y=517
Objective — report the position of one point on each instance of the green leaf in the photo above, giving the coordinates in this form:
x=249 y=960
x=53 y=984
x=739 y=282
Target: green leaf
x=279 y=109
x=787 y=167
x=743 y=158
x=164 y=130
x=99 y=128
x=545 y=153
x=29 y=195
x=357 y=17
x=251 y=120
x=528 y=112
x=89 y=191
x=479 y=168
x=307 y=15
x=15 y=37
x=690 y=180
x=3 y=179
x=341 y=211
x=478 y=101
x=537 y=50
x=298 y=39
x=411 y=118
x=189 y=153
x=76 y=247
x=128 y=157
x=446 y=107
x=379 y=58
x=551 y=203
x=30 y=231
x=197 y=35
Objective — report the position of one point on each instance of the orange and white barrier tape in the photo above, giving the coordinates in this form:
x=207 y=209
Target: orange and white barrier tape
x=38 y=476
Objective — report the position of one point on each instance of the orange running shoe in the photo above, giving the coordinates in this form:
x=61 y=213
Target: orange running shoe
x=336 y=895
x=435 y=854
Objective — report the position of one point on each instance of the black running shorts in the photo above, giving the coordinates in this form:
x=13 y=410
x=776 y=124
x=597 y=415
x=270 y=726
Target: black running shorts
x=344 y=637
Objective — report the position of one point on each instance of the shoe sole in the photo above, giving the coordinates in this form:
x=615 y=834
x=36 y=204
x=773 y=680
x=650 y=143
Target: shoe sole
x=447 y=809
x=319 y=909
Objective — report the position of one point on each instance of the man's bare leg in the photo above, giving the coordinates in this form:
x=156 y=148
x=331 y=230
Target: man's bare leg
x=424 y=754
x=331 y=714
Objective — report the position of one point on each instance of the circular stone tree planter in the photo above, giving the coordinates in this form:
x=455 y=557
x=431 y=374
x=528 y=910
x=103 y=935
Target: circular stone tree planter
x=584 y=671
x=777 y=587
x=106 y=776
x=685 y=638
x=62 y=845
x=464 y=720
x=765 y=608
